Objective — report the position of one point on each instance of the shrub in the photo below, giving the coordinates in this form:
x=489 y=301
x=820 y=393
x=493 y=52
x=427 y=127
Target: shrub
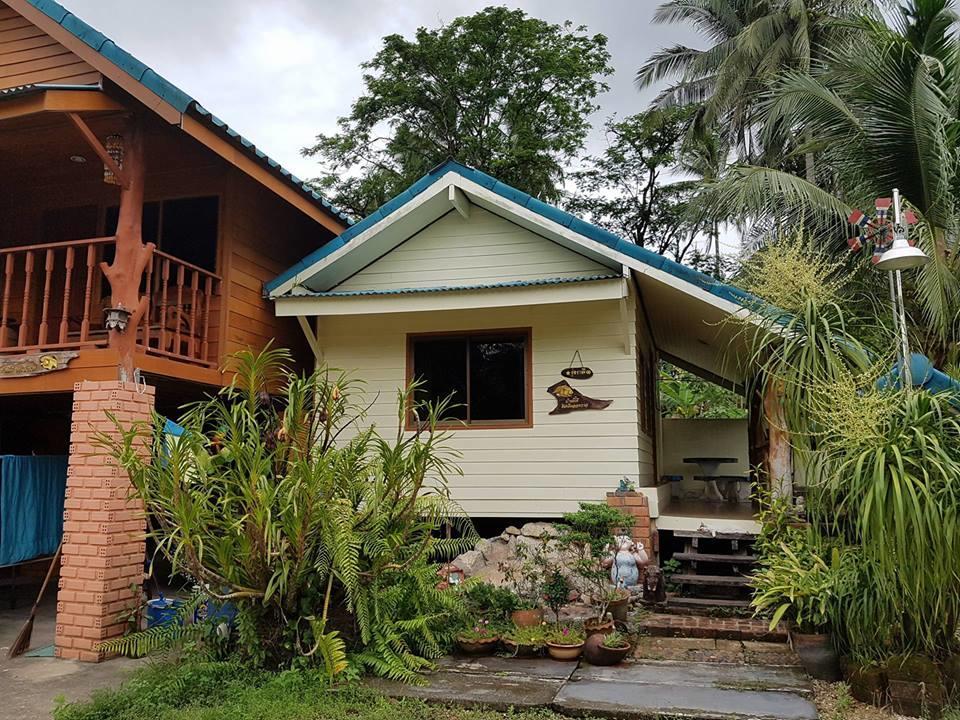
x=323 y=533
x=588 y=535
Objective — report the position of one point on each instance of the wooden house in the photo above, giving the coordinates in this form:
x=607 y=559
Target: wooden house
x=136 y=232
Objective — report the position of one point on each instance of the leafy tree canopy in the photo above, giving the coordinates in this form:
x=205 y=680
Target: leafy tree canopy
x=623 y=191
x=497 y=90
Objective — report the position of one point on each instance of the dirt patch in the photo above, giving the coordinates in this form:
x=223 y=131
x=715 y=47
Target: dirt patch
x=834 y=702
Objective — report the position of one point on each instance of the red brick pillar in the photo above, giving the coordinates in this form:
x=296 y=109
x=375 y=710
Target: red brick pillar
x=103 y=529
x=644 y=529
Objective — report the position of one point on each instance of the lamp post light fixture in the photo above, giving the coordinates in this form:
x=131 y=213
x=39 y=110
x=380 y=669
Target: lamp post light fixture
x=116 y=318
x=893 y=253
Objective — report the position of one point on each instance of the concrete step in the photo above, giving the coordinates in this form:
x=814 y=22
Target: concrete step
x=677 y=603
x=715 y=580
x=715 y=558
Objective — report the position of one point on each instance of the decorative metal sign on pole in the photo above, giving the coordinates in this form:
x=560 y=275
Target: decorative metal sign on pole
x=893 y=251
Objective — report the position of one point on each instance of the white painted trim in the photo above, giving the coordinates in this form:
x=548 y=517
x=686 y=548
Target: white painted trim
x=311 y=337
x=454 y=183
x=459 y=201
x=587 y=291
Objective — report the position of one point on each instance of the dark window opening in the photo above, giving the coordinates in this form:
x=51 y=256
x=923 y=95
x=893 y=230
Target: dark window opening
x=484 y=375
x=186 y=228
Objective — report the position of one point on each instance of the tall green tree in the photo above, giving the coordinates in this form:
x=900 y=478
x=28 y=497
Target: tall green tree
x=626 y=188
x=882 y=114
x=750 y=43
x=498 y=90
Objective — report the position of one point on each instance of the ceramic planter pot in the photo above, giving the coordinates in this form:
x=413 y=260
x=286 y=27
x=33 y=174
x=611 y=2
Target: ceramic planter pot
x=527 y=618
x=595 y=627
x=817 y=655
x=486 y=646
x=619 y=607
x=564 y=652
x=595 y=653
x=521 y=650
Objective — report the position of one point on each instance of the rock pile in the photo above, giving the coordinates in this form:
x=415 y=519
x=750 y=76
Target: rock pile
x=486 y=559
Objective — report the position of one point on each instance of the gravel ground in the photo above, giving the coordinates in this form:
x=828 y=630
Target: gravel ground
x=834 y=702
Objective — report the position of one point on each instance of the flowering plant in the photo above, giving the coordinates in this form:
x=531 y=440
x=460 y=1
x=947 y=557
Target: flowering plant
x=478 y=631
x=567 y=634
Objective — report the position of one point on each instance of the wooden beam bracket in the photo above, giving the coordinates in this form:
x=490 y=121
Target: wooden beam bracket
x=459 y=201
x=98 y=148
x=311 y=338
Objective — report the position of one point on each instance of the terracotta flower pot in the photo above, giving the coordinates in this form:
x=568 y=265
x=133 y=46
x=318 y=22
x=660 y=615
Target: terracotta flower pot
x=485 y=646
x=595 y=627
x=527 y=618
x=564 y=652
x=521 y=650
x=595 y=653
x=817 y=655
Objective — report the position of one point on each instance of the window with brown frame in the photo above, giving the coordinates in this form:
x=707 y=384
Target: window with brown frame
x=486 y=374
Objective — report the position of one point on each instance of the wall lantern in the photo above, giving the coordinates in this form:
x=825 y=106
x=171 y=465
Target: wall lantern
x=117 y=318
x=114 y=148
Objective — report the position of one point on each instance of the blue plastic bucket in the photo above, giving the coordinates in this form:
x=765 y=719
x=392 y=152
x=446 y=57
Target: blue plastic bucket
x=162 y=611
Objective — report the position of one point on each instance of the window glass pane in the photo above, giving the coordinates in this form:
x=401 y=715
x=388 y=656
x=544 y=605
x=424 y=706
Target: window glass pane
x=441 y=365
x=497 y=383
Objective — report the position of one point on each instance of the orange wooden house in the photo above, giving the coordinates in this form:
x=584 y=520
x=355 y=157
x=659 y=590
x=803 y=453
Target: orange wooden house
x=136 y=231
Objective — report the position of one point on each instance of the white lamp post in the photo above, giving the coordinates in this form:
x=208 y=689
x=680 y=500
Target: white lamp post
x=901 y=255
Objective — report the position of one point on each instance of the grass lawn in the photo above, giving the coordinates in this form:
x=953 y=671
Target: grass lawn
x=226 y=691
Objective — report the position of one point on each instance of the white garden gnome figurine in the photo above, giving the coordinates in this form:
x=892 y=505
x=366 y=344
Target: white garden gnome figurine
x=625 y=561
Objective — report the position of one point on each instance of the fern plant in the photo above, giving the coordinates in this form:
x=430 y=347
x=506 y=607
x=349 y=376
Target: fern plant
x=322 y=532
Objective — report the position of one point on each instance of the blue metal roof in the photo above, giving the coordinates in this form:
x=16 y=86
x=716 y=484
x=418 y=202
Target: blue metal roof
x=604 y=237
x=173 y=95
x=455 y=288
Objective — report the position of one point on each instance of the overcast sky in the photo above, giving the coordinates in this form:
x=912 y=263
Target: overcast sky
x=281 y=71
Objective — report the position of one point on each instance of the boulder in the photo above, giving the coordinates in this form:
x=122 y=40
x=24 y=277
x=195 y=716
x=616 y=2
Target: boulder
x=471 y=562
x=512 y=530
x=539 y=530
x=495 y=551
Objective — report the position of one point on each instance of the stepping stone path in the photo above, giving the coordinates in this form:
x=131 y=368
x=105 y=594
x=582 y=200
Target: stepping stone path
x=641 y=689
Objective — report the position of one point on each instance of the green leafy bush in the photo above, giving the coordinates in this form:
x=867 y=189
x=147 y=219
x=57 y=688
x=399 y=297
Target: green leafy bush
x=322 y=532
x=587 y=536
x=484 y=599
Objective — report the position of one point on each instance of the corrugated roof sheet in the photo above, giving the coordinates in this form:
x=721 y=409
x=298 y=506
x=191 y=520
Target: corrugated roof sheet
x=303 y=292
x=176 y=97
x=604 y=237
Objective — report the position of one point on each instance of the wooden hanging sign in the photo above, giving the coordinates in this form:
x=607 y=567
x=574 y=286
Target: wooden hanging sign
x=577 y=370
x=571 y=400
x=17 y=366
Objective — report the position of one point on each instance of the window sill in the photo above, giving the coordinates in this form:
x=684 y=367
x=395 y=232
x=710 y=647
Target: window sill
x=491 y=425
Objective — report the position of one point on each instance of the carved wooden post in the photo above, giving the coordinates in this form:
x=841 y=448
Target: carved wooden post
x=130 y=260
x=779 y=451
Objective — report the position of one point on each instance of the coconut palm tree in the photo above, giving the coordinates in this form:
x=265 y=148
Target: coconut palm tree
x=882 y=114
x=752 y=41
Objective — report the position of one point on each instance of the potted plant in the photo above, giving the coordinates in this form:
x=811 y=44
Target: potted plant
x=565 y=641
x=478 y=638
x=609 y=649
x=798 y=585
x=485 y=600
x=587 y=537
x=556 y=592
x=526 y=576
x=526 y=641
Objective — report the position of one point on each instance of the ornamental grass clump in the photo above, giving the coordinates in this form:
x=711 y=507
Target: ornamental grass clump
x=323 y=533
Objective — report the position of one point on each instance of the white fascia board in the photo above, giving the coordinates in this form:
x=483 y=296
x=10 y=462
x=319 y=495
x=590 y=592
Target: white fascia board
x=357 y=242
x=587 y=291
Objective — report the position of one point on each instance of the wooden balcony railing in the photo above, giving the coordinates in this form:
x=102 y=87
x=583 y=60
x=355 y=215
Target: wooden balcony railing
x=54 y=296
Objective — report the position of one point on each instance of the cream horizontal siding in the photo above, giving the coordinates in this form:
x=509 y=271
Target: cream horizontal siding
x=485 y=249
x=541 y=471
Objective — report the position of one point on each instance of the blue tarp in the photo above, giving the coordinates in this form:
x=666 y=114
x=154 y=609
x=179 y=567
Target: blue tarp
x=923 y=374
x=31 y=506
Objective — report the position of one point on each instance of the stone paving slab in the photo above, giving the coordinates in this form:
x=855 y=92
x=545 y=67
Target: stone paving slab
x=639 y=690
x=686 y=674
x=530 y=667
x=497 y=691
x=641 y=701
